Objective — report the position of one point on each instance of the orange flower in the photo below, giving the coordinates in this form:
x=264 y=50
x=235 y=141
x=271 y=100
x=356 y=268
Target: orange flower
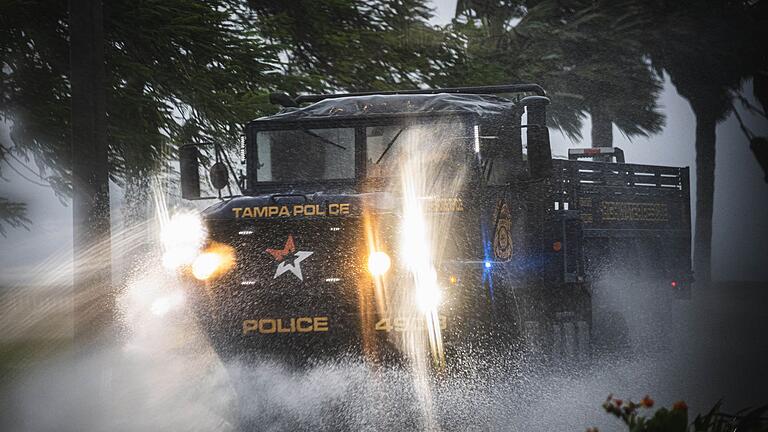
x=680 y=405
x=647 y=402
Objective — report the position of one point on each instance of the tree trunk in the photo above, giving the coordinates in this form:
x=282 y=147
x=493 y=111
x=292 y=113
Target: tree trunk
x=706 y=124
x=93 y=299
x=602 y=128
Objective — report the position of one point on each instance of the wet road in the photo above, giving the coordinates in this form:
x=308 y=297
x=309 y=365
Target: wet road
x=165 y=377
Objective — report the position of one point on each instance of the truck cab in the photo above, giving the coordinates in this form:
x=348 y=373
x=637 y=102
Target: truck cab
x=396 y=226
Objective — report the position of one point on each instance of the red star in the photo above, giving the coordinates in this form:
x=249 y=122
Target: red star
x=279 y=254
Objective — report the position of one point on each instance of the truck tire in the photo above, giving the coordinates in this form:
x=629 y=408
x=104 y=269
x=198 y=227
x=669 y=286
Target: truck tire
x=571 y=338
x=561 y=334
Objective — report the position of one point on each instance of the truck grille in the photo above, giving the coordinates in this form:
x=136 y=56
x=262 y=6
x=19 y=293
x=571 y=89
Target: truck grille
x=294 y=267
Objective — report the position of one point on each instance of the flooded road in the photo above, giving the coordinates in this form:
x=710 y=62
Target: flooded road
x=164 y=376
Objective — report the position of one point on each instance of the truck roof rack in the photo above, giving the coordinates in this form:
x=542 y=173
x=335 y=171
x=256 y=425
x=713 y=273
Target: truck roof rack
x=285 y=100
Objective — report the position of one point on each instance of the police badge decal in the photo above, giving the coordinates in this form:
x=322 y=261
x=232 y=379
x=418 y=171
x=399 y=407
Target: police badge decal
x=502 y=237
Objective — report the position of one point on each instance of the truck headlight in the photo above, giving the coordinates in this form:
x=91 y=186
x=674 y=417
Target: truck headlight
x=379 y=263
x=215 y=261
x=182 y=237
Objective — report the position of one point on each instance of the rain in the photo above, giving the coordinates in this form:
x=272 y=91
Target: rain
x=374 y=243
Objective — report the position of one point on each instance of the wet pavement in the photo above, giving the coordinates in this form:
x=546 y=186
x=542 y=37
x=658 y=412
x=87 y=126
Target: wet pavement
x=165 y=376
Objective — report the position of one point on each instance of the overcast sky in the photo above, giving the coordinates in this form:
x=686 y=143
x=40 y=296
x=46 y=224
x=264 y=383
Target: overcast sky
x=740 y=234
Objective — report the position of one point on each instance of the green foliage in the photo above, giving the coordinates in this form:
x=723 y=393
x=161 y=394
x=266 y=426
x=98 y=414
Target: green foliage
x=602 y=60
x=497 y=52
x=696 y=43
x=675 y=419
x=169 y=64
x=355 y=44
x=746 y=420
x=587 y=54
x=182 y=71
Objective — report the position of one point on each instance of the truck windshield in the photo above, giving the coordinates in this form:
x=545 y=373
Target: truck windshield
x=305 y=155
x=440 y=145
x=327 y=154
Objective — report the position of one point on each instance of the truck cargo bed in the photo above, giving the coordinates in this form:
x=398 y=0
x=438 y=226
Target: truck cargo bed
x=634 y=217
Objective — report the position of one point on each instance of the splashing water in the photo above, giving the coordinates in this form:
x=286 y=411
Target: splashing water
x=157 y=371
x=427 y=172
x=157 y=364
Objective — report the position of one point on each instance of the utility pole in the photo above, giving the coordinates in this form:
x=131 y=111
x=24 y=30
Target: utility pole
x=93 y=295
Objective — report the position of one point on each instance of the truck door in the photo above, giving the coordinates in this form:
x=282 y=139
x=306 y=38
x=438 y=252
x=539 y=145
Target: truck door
x=501 y=162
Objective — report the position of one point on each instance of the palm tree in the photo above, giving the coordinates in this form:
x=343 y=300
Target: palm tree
x=353 y=45
x=90 y=171
x=608 y=68
x=503 y=43
x=586 y=53
x=709 y=49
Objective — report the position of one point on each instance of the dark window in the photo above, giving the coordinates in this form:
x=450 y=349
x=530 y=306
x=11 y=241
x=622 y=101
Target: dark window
x=305 y=155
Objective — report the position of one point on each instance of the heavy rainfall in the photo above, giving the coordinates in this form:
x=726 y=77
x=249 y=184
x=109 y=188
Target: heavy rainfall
x=384 y=215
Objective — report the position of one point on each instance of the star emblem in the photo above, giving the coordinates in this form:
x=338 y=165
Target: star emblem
x=289 y=259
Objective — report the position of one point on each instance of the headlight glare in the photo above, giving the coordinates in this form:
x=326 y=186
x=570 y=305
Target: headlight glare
x=205 y=265
x=182 y=237
x=379 y=263
x=215 y=261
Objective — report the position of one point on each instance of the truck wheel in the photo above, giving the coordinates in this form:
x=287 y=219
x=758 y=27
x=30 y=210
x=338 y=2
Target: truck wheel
x=558 y=328
x=571 y=338
x=570 y=328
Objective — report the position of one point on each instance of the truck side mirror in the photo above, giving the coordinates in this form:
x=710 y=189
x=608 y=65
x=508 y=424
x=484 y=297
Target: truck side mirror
x=539 y=150
x=219 y=175
x=189 y=165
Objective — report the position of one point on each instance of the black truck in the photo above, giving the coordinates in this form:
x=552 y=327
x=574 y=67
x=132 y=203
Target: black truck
x=421 y=223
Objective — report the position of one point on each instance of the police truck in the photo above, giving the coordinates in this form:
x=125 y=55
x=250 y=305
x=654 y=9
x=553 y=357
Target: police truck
x=422 y=223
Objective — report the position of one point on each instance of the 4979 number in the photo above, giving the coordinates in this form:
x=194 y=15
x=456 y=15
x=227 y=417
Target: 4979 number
x=404 y=324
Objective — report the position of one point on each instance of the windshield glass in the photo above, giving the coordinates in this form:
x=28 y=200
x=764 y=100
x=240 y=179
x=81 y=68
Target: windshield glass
x=441 y=145
x=328 y=154
x=305 y=155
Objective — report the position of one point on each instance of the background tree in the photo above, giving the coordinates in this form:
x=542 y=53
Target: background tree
x=504 y=44
x=708 y=49
x=355 y=45
x=89 y=171
x=603 y=61
x=587 y=54
x=13 y=213
x=168 y=66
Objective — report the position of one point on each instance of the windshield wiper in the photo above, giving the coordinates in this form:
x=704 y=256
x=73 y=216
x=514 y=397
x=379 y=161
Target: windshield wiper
x=322 y=138
x=397 y=135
